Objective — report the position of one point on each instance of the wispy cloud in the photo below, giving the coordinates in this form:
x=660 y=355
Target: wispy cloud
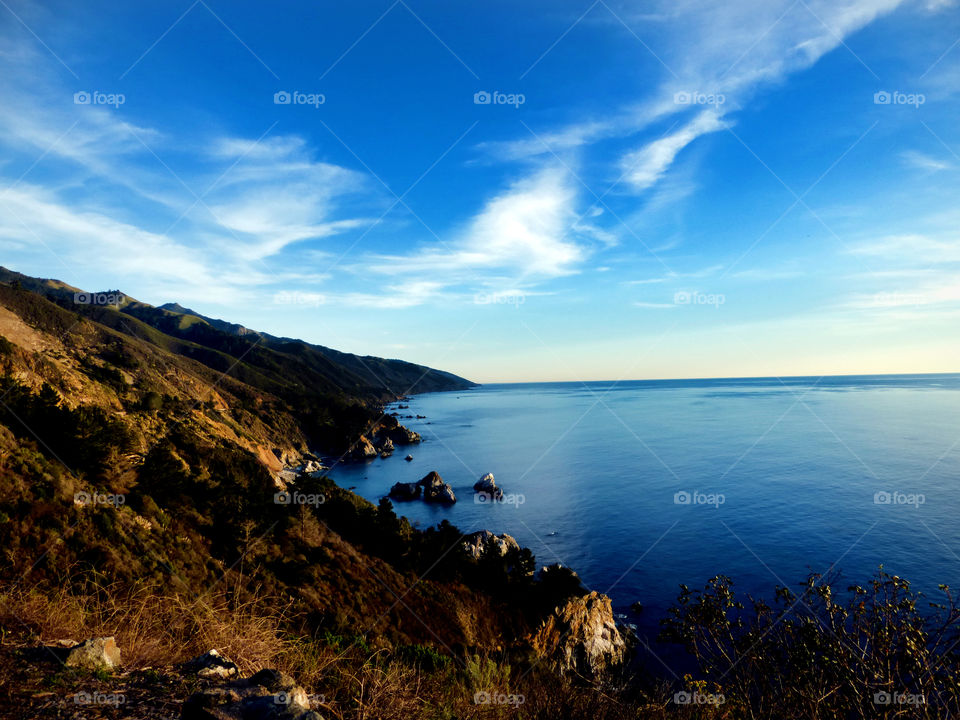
x=644 y=167
x=922 y=161
x=523 y=233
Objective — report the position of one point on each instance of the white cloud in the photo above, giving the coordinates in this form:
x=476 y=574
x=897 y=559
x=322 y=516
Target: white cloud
x=911 y=249
x=728 y=49
x=919 y=160
x=78 y=240
x=644 y=167
x=523 y=232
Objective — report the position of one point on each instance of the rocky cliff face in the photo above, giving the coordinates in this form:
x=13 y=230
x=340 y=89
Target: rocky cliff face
x=582 y=638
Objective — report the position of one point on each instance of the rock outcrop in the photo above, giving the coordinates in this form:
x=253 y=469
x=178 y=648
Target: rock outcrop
x=267 y=694
x=435 y=490
x=362 y=450
x=211 y=665
x=391 y=429
x=487 y=487
x=582 y=638
x=95 y=654
x=385 y=446
x=476 y=543
x=312 y=466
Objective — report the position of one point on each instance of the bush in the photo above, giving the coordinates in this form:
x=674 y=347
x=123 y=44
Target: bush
x=814 y=656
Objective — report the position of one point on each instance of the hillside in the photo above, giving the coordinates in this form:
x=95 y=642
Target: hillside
x=139 y=458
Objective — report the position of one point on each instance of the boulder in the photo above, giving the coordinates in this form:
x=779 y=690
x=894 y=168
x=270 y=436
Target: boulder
x=312 y=466
x=211 y=665
x=436 y=490
x=487 y=487
x=95 y=654
x=476 y=543
x=409 y=458
x=582 y=638
x=405 y=491
x=269 y=694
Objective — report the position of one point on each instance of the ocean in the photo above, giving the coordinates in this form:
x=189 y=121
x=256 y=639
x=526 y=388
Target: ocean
x=640 y=486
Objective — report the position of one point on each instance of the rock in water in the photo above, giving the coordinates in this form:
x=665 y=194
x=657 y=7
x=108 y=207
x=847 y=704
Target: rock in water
x=436 y=490
x=405 y=491
x=95 y=654
x=582 y=637
x=408 y=458
x=487 y=486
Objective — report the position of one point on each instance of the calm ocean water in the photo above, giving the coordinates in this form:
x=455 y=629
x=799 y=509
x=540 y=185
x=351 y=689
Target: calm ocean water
x=603 y=468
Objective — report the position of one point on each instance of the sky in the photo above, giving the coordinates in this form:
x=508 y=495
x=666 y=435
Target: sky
x=547 y=190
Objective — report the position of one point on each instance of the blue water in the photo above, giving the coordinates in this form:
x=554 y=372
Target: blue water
x=798 y=461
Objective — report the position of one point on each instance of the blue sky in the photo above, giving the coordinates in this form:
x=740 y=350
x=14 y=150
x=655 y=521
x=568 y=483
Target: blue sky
x=653 y=189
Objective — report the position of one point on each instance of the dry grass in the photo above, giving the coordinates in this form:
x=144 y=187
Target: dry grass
x=153 y=628
x=348 y=680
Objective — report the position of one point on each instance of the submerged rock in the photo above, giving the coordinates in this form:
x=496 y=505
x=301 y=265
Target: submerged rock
x=582 y=637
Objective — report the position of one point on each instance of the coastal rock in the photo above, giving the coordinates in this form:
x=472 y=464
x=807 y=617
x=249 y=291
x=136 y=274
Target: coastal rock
x=391 y=429
x=582 y=638
x=487 y=487
x=405 y=491
x=312 y=466
x=95 y=654
x=267 y=694
x=385 y=445
x=211 y=665
x=409 y=458
x=363 y=450
x=436 y=490
x=404 y=436
x=476 y=543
